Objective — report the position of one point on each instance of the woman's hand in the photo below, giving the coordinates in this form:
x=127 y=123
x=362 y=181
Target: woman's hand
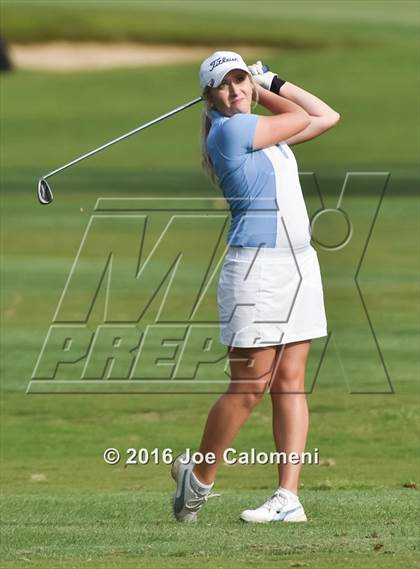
x=261 y=77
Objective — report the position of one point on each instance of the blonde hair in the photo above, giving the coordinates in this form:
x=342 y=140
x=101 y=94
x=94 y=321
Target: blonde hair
x=206 y=162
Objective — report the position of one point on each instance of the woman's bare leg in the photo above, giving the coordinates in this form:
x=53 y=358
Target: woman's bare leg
x=232 y=409
x=290 y=409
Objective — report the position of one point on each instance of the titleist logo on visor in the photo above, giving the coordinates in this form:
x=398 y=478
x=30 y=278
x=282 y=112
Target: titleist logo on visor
x=221 y=60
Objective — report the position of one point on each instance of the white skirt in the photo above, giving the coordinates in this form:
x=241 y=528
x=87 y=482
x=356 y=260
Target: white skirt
x=270 y=296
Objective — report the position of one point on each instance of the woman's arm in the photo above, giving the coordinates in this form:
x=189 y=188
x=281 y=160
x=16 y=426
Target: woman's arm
x=288 y=120
x=322 y=117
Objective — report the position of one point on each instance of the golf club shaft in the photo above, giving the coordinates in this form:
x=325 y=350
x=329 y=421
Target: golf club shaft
x=123 y=136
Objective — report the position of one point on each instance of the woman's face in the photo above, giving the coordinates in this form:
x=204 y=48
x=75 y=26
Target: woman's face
x=234 y=94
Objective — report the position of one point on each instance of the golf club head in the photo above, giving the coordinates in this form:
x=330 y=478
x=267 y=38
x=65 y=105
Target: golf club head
x=45 y=195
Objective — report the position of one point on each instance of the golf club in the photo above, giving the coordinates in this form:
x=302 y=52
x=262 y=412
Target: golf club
x=45 y=195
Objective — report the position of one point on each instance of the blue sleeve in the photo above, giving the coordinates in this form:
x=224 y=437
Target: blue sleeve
x=236 y=135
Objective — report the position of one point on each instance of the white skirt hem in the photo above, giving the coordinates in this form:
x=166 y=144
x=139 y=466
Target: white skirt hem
x=288 y=340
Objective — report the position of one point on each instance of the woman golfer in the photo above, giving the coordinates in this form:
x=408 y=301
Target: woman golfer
x=270 y=291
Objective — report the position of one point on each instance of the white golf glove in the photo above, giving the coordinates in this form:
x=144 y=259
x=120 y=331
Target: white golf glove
x=263 y=78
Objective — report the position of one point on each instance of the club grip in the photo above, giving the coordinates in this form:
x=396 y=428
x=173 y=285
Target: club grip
x=265 y=68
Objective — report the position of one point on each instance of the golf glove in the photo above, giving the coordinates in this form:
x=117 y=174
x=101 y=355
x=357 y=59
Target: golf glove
x=262 y=78
x=267 y=79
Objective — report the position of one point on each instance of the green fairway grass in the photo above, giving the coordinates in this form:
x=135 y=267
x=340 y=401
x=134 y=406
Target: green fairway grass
x=136 y=526
x=77 y=112
x=291 y=24
x=62 y=506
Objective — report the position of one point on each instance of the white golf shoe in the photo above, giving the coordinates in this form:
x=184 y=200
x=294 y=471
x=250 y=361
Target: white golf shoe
x=190 y=496
x=283 y=506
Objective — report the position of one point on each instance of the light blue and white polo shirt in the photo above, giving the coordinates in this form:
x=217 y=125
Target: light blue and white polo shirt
x=261 y=186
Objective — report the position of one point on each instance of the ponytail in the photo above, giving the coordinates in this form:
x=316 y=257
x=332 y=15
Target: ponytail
x=206 y=162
